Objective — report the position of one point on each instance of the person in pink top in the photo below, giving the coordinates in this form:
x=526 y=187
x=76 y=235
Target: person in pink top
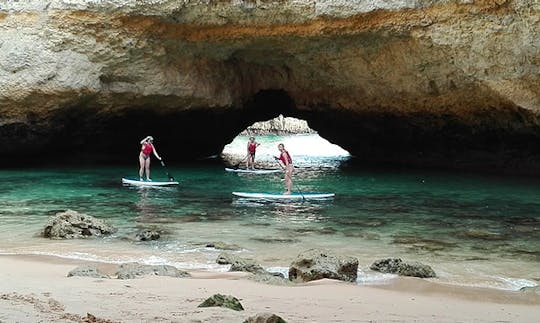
x=147 y=148
x=250 y=157
x=286 y=159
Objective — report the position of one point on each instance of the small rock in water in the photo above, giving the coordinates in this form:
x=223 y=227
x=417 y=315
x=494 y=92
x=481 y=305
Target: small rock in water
x=72 y=225
x=219 y=300
x=223 y=246
x=397 y=266
x=239 y=264
x=147 y=235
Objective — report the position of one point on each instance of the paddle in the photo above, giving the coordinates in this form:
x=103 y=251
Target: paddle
x=171 y=179
x=296 y=187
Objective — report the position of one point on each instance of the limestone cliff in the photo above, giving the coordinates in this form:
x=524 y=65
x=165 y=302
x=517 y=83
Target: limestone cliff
x=420 y=82
x=278 y=126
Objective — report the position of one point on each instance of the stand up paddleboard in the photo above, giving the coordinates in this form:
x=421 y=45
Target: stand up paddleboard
x=253 y=171
x=292 y=196
x=136 y=182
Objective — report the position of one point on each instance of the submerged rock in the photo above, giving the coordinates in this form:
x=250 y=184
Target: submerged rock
x=147 y=235
x=87 y=271
x=219 y=300
x=223 y=246
x=135 y=270
x=265 y=318
x=397 y=266
x=316 y=264
x=73 y=225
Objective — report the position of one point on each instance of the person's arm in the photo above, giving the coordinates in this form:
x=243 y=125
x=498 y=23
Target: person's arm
x=145 y=138
x=155 y=152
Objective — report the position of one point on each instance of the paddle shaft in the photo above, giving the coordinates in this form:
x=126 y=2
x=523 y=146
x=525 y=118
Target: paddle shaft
x=167 y=171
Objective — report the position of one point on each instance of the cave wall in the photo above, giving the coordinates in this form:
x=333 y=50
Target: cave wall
x=427 y=83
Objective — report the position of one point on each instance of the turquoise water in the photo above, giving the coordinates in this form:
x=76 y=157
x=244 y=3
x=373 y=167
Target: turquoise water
x=473 y=230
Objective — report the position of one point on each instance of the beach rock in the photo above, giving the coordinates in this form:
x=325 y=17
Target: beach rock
x=316 y=264
x=270 y=279
x=135 y=270
x=397 y=266
x=147 y=235
x=223 y=246
x=73 y=225
x=87 y=271
x=265 y=318
x=239 y=264
x=219 y=300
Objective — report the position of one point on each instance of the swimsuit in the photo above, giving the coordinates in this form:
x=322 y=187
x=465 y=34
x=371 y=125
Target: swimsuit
x=146 y=150
x=282 y=157
x=251 y=149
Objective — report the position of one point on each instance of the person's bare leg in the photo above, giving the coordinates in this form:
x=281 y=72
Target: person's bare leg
x=147 y=166
x=141 y=167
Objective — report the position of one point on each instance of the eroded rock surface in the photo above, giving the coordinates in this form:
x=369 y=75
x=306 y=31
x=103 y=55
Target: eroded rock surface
x=427 y=83
x=74 y=225
x=317 y=264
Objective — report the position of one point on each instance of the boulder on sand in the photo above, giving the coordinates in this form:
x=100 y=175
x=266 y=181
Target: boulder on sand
x=397 y=266
x=316 y=264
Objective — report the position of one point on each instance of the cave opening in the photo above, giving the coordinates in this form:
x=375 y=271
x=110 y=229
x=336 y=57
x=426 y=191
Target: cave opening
x=274 y=118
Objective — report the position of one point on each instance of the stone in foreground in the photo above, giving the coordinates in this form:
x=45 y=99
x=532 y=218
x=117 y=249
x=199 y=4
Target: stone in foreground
x=265 y=318
x=317 y=264
x=219 y=300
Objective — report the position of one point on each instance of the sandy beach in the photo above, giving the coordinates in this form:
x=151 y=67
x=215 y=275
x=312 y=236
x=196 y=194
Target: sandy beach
x=36 y=289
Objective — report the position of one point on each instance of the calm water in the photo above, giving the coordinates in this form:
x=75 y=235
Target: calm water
x=473 y=230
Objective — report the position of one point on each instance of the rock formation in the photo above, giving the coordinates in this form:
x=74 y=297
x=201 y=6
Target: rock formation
x=317 y=264
x=451 y=83
x=279 y=126
x=74 y=225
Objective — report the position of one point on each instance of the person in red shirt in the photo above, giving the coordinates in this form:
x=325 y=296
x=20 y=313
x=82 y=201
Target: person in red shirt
x=286 y=159
x=250 y=157
x=147 y=148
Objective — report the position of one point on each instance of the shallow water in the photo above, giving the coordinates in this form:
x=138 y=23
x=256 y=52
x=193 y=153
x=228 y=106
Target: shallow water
x=473 y=230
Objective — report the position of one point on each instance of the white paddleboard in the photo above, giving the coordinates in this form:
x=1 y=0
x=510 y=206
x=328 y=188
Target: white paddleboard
x=137 y=182
x=253 y=171
x=292 y=196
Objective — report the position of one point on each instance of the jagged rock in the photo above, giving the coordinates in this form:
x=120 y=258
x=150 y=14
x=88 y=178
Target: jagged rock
x=239 y=264
x=147 y=235
x=397 y=266
x=279 y=126
x=87 y=271
x=135 y=270
x=265 y=318
x=219 y=300
x=316 y=264
x=72 y=225
x=223 y=246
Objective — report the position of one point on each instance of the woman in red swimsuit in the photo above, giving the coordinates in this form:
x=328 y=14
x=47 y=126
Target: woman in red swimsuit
x=251 y=147
x=286 y=159
x=147 y=148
